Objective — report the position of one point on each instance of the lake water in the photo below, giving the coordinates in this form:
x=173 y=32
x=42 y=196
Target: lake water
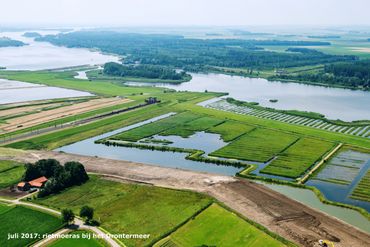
x=15 y=91
x=334 y=103
x=43 y=55
x=166 y=159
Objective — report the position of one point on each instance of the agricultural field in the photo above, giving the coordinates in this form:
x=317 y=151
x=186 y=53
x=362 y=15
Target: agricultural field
x=216 y=225
x=230 y=130
x=78 y=241
x=10 y=173
x=155 y=127
x=343 y=167
x=20 y=219
x=189 y=128
x=48 y=115
x=295 y=160
x=129 y=207
x=67 y=119
x=258 y=145
x=362 y=189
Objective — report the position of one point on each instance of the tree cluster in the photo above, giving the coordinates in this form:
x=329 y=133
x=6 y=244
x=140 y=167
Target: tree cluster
x=6 y=42
x=145 y=71
x=351 y=74
x=59 y=177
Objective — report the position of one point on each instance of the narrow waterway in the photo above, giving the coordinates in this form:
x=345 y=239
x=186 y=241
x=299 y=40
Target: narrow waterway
x=166 y=159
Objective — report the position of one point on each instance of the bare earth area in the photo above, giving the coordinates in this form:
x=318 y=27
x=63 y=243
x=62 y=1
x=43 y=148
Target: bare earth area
x=280 y=214
x=71 y=110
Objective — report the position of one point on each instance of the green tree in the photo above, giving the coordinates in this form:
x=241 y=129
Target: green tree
x=87 y=213
x=68 y=216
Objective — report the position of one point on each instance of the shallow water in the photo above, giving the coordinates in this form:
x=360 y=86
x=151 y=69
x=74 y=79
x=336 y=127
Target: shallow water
x=165 y=159
x=334 y=103
x=339 y=192
x=43 y=55
x=15 y=91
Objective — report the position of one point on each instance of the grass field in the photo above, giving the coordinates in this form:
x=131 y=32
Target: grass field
x=295 y=160
x=230 y=130
x=25 y=220
x=189 y=128
x=10 y=173
x=258 y=145
x=155 y=127
x=66 y=80
x=216 y=226
x=78 y=241
x=362 y=190
x=131 y=208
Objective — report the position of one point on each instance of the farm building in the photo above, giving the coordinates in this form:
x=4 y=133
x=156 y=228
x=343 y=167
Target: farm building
x=23 y=186
x=36 y=183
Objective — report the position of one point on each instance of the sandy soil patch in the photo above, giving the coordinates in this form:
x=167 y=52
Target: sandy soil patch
x=49 y=115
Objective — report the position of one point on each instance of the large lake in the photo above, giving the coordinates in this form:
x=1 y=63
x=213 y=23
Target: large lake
x=43 y=55
x=334 y=103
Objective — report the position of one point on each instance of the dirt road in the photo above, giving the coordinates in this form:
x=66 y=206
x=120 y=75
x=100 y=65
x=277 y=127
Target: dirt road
x=280 y=214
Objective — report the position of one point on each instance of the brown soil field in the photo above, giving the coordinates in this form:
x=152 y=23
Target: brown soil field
x=20 y=110
x=278 y=213
x=49 y=115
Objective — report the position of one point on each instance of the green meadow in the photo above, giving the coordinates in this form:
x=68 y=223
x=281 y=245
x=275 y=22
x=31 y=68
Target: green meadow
x=131 y=208
x=216 y=226
x=19 y=219
x=295 y=160
x=258 y=145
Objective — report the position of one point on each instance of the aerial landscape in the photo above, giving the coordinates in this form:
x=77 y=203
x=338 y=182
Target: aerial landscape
x=185 y=123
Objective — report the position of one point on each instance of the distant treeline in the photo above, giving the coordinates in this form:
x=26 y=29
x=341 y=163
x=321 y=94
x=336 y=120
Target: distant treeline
x=350 y=74
x=6 y=42
x=145 y=71
x=195 y=54
x=32 y=35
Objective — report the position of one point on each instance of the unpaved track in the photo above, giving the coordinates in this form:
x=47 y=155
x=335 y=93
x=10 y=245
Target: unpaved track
x=280 y=214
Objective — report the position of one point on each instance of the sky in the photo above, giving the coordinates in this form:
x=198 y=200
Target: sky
x=185 y=12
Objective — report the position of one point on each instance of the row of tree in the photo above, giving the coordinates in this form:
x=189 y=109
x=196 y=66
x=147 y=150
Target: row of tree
x=86 y=212
x=59 y=177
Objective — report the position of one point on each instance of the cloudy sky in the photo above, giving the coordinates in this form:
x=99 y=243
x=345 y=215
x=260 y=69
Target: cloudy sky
x=184 y=12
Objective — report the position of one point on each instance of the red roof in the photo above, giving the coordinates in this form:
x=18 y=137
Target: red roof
x=38 y=182
x=21 y=184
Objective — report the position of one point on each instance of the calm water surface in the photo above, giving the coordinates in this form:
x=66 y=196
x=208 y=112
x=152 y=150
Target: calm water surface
x=15 y=91
x=166 y=159
x=334 y=103
x=43 y=55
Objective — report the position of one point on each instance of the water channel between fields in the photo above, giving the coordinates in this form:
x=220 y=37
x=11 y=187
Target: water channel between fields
x=197 y=141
